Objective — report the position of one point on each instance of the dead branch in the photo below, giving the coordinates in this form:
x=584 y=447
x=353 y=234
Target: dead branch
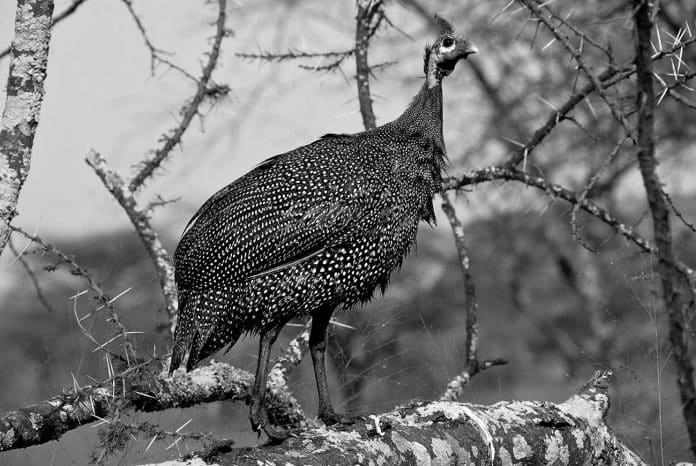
x=104 y=299
x=25 y=92
x=190 y=110
x=608 y=78
x=147 y=388
x=32 y=276
x=585 y=192
x=368 y=19
x=472 y=365
x=124 y=191
x=499 y=172
x=337 y=58
x=672 y=281
x=440 y=432
x=141 y=222
x=577 y=54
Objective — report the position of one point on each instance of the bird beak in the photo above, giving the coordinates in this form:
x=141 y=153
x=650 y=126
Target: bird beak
x=468 y=49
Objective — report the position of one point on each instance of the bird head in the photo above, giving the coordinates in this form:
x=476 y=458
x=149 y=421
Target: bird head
x=448 y=49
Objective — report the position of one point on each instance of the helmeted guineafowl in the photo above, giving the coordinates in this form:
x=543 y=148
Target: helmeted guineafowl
x=308 y=231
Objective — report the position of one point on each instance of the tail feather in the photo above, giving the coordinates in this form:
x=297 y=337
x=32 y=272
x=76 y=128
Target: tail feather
x=203 y=329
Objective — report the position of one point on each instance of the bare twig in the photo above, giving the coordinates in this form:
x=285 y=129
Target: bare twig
x=189 y=111
x=585 y=193
x=500 y=172
x=368 y=19
x=677 y=212
x=472 y=365
x=32 y=276
x=667 y=265
x=69 y=10
x=25 y=92
x=154 y=51
x=124 y=191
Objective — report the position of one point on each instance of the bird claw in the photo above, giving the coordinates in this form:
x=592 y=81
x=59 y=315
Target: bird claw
x=259 y=421
x=341 y=419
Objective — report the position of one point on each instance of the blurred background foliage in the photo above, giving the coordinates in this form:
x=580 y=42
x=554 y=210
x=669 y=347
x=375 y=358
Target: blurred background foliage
x=554 y=310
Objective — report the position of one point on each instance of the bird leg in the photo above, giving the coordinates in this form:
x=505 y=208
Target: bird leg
x=257 y=413
x=317 y=347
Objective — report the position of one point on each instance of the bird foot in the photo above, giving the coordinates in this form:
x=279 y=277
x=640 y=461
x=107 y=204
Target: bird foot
x=329 y=417
x=259 y=421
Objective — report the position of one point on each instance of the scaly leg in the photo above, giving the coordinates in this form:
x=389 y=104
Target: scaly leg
x=317 y=347
x=258 y=414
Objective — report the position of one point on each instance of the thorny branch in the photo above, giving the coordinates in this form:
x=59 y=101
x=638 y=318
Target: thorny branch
x=364 y=34
x=144 y=387
x=672 y=281
x=19 y=255
x=103 y=298
x=337 y=58
x=190 y=110
x=609 y=77
x=141 y=222
x=580 y=60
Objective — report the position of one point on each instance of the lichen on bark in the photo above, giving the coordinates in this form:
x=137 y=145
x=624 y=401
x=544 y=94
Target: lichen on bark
x=25 y=91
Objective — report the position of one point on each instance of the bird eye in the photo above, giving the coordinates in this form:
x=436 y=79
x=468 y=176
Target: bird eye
x=447 y=42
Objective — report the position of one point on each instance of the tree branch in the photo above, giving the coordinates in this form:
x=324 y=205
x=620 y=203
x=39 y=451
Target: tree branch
x=671 y=279
x=368 y=10
x=141 y=222
x=25 y=92
x=189 y=110
x=124 y=191
x=32 y=276
x=56 y=19
x=472 y=365
x=146 y=387
x=105 y=300
x=573 y=432
x=499 y=172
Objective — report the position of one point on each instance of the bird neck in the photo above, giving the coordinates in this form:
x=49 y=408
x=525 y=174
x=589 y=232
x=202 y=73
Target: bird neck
x=424 y=115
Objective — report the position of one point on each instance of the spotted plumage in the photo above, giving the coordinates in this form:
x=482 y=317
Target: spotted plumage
x=311 y=230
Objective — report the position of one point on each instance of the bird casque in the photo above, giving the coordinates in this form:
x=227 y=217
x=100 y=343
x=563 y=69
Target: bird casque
x=309 y=231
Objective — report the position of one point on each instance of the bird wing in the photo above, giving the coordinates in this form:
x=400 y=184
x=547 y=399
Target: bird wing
x=286 y=210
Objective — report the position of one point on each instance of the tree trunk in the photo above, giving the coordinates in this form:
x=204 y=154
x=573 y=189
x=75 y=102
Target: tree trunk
x=25 y=90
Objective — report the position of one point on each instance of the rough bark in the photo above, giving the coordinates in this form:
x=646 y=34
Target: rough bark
x=25 y=91
x=443 y=433
x=141 y=389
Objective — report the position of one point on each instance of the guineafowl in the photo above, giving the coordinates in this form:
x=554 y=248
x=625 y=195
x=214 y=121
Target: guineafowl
x=309 y=231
